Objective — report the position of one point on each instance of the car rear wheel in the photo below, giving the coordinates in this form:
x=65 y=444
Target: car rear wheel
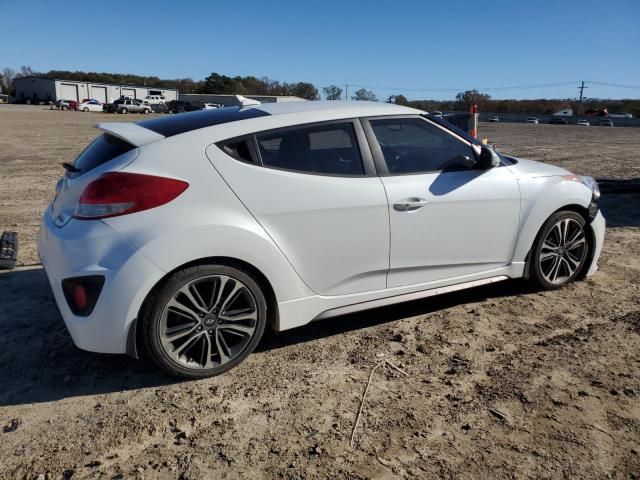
x=124 y=110
x=560 y=251
x=85 y=109
x=204 y=321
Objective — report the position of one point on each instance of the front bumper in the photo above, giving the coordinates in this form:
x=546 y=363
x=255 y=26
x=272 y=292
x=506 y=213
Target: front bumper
x=598 y=227
x=83 y=248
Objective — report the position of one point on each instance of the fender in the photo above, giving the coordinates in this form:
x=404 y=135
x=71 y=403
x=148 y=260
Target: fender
x=540 y=197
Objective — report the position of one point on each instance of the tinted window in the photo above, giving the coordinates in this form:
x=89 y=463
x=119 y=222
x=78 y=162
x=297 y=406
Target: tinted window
x=238 y=149
x=101 y=150
x=326 y=149
x=412 y=145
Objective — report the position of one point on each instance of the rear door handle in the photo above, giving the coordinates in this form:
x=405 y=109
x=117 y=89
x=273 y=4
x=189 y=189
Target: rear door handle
x=410 y=204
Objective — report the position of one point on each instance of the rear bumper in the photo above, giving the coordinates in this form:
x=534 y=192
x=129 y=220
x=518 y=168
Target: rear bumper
x=598 y=227
x=83 y=248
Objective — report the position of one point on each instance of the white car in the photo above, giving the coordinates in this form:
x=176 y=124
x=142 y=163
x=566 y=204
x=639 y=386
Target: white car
x=532 y=120
x=210 y=106
x=583 y=123
x=90 y=106
x=437 y=113
x=188 y=235
x=493 y=118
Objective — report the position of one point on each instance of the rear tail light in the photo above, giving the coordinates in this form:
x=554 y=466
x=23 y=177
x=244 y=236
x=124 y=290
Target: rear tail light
x=82 y=293
x=120 y=193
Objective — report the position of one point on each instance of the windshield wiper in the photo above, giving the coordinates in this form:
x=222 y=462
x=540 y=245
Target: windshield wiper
x=70 y=168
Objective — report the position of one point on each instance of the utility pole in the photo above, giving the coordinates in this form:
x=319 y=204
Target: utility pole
x=346 y=95
x=581 y=88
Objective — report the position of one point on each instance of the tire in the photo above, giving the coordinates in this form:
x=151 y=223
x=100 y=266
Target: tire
x=65 y=108
x=560 y=251
x=146 y=111
x=124 y=111
x=209 y=330
x=85 y=109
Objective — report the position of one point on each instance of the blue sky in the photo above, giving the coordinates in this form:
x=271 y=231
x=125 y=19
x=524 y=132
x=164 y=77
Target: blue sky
x=403 y=47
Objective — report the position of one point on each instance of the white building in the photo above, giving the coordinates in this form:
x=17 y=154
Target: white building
x=231 y=100
x=39 y=89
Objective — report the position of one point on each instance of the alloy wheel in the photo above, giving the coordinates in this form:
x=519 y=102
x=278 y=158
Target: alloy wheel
x=208 y=322
x=563 y=251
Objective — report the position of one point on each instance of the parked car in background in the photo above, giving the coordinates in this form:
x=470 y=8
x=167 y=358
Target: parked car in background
x=281 y=214
x=532 y=120
x=620 y=115
x=493 y=118
x=90 y=106
x=583 y=123
x=180 y=106
x=67 y=104
x=559 y=121
x=437 y=113
x=154 y=99
x=133 y=106
x=606 y=122
x=210 y=106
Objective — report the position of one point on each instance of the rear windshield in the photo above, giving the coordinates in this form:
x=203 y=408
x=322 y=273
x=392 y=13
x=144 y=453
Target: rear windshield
x=101 y=150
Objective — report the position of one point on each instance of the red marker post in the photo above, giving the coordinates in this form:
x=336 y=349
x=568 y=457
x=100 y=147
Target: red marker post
x=474 y=121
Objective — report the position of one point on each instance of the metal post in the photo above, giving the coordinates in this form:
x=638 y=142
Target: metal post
x=474 y=121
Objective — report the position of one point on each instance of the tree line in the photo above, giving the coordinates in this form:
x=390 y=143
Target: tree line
x=250 y=85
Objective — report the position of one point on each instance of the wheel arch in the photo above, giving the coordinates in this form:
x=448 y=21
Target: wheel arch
x=584 y=213
x=134 y=340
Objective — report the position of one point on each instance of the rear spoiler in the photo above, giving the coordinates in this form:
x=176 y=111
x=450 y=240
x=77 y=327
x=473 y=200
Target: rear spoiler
x=130 y=132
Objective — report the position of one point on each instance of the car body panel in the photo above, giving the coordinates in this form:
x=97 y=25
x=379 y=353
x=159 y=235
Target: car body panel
x=343 y=220
x=433 y=243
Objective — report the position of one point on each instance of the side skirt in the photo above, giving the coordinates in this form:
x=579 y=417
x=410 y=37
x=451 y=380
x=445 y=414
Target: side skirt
x=381 y=302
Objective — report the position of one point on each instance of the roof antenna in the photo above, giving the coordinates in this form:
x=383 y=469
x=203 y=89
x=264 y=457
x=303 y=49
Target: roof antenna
x=246 y=102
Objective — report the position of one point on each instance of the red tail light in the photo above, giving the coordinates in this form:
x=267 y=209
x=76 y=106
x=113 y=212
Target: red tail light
x=119 y=193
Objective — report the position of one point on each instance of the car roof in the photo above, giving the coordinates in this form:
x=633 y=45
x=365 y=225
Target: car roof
x=295 y=112
x=365 y=108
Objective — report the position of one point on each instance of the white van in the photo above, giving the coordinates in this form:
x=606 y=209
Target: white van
x=154 y=99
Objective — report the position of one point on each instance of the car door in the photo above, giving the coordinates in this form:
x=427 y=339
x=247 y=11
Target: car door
x=314 y=190
x=448 y=219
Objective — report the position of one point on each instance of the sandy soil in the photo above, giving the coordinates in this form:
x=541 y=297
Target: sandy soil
x=503 y=381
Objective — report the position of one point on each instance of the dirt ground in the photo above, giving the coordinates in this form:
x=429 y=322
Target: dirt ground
x=502 y=381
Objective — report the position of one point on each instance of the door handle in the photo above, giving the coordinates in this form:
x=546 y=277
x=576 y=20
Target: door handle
x=410 y=204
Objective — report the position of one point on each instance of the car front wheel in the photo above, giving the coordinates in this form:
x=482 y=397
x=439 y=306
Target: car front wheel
x=560 y=251
x=204 y=320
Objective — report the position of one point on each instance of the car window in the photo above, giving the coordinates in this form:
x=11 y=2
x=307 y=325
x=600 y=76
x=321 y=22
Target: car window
x=412 y=145
x=238 y=149
x=101 y=150
x=323 y=149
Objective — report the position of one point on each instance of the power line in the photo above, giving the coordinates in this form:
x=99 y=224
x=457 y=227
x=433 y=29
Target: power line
x=618 y=85
x=482 y=89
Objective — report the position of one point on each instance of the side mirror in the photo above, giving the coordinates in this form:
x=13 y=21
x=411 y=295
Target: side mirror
x=488 y=158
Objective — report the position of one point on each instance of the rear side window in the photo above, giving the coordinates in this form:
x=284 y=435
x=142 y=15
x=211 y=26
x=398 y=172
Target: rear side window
x=325 y=149
x=239 y=148
x=412 y=145
x=101 y=150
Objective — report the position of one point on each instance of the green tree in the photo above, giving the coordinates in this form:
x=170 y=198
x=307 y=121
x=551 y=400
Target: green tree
x=472 y=97
x=364 y=94
x=398 y=99
x=304 y=90
x=332 y=92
